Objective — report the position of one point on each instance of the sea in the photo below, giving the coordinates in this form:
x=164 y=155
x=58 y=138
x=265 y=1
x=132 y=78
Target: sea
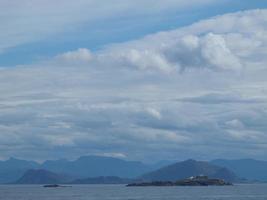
x=121 y=192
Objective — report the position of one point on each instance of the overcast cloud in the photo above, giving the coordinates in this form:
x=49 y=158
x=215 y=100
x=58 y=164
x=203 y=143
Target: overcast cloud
x=198 y=91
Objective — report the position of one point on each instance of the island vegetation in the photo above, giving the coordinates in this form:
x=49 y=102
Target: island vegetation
x=192 y=181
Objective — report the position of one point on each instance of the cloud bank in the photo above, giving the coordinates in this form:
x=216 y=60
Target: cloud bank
x=199 y=91
x=229 y=42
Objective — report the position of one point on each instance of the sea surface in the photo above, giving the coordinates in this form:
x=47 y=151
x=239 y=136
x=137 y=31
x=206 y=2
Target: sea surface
x=120 y=192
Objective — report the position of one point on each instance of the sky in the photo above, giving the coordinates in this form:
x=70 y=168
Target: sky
x=139 y=80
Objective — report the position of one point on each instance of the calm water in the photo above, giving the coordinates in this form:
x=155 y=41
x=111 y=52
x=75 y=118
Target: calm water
x=120 y=192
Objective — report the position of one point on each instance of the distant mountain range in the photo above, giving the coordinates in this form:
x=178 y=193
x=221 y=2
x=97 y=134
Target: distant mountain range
x=188 y=168
x=83 y=167
x=246 y=168
x=174 y=172
x=94 y=168
x=103 y=180
x=41 y=176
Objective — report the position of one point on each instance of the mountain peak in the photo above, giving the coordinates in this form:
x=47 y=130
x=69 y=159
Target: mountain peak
x=190 y=161
x=188 y=168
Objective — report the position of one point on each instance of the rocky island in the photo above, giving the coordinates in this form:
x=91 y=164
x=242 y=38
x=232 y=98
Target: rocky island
x=51 y=186
x=192 y=181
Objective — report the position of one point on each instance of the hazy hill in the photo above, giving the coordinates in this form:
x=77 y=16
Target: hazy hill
x=246 y=168
x=190 y=168
x=12 y=169
x=41 y=176
x=93 y=166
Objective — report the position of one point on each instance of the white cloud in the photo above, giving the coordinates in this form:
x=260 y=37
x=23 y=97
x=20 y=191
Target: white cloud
x=217 y=54
x=154 y=112
x=80 y=55
x=114 y=155
x=136 y=59
x=235 y=123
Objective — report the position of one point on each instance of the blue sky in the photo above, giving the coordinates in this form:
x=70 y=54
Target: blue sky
x=140 y=80
x=96 y=34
